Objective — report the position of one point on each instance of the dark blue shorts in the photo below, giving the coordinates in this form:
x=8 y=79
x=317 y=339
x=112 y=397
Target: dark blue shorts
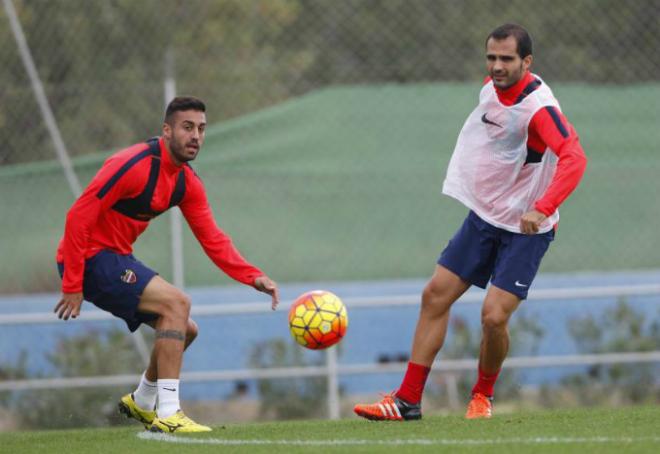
x=480 y=252
x=114 y=283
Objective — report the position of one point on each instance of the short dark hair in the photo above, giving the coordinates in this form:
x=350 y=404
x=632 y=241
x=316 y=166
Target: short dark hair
x=182 y=103
x=523 y=40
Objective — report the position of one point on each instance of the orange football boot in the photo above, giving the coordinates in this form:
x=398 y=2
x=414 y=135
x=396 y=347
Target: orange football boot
x=390 y=408
x=480 y=407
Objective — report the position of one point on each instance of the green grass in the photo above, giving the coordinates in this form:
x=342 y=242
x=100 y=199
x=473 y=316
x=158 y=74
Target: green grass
x=630 y=430
x=344 y=184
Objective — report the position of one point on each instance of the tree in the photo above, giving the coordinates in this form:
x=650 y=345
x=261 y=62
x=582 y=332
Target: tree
x=289 y=398
x=618 y=329
x=92 y=354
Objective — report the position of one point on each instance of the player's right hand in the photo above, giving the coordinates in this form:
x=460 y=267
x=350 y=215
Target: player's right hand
x=69 y=305
x=531 y=221
x=266 y=285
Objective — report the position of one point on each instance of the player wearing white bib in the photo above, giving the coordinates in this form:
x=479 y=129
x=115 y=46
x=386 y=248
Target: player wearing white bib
x=489 y=172
x=516 y=160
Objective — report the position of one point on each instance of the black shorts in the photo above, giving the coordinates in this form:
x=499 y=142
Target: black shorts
x=480 y=252
x=114 y=283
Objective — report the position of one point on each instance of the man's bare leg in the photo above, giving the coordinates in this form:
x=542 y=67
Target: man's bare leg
x=174 y=332
x=498 y=307
x=173 y=309
x=442 y=290
x=151 y=373
x=172 y=306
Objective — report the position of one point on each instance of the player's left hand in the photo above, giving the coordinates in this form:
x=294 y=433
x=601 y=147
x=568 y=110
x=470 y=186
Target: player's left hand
x=531 y=221
x=69 y=305
x=266 y=285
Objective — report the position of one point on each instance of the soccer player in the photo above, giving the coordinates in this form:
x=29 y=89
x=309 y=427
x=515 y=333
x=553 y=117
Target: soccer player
x=95 y=262
x=516 y=160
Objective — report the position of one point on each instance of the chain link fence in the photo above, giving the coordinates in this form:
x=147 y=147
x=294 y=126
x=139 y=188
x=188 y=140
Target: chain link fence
x=331 y=125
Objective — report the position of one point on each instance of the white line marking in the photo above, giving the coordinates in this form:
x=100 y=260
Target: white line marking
x=396 y=442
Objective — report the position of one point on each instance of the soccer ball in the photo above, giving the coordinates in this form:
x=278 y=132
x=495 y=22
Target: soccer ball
x=318 y=319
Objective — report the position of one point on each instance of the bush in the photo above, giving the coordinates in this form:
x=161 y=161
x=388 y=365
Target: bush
x=92 y=354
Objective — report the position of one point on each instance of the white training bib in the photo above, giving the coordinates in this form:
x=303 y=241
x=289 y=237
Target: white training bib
x=487 y=171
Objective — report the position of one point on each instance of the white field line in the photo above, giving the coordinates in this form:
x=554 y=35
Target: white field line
x=396 y=442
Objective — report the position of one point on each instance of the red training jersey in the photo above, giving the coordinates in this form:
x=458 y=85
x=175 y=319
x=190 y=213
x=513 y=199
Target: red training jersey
x=549 y=128
x=93 y=225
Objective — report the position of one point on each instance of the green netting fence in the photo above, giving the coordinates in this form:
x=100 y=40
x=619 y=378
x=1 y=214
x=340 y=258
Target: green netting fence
x=332 y=124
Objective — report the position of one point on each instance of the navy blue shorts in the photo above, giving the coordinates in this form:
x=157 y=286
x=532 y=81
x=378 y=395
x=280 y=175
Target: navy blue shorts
x=480 y=252
x=114 y=283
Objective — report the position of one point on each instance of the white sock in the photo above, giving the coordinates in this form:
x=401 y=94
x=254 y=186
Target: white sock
x=168 y=397
x=145 y=394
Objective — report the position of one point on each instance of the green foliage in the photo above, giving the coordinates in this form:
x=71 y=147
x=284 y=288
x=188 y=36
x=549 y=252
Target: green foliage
x=291 y=398
x=96 y=353
x=102 y=62
x=618 y=329
x=16 y=371
x=87 y=355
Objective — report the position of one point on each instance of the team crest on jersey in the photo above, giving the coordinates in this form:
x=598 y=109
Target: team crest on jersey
x=129 y=277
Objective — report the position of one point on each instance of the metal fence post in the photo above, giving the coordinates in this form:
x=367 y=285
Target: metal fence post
x=176 y=227
x=333 y=383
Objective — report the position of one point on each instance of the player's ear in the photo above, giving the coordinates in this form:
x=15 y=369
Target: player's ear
x=167 y=131
x=527 y=61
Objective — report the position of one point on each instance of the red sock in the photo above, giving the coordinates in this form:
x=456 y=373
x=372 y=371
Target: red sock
x=485 y=383
x=413 y=383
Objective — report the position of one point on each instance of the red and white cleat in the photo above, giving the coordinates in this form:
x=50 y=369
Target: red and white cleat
x=390 y=408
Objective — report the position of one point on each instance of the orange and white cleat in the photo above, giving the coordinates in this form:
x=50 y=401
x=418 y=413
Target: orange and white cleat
x=390 y=408
x=481 y=406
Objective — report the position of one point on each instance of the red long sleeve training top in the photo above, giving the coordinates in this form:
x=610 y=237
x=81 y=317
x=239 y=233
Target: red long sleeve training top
x=549 y=128
x=93 y=225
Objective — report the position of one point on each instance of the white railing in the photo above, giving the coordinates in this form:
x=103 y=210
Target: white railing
x=332 y=369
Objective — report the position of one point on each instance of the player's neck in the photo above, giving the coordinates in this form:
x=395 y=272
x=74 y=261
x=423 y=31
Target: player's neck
x=169 y=160
x=509 y=95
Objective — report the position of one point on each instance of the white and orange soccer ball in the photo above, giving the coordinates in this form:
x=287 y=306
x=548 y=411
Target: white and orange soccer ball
x=318 y=319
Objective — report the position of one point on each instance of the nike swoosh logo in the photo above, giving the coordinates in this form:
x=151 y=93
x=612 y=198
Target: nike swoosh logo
x=487 y=121
x=171 y=427
x=170 y=389
x=518 y=284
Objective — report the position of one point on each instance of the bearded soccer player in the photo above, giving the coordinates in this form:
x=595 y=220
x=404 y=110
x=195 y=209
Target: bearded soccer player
x=95 y=262
x=516 y=160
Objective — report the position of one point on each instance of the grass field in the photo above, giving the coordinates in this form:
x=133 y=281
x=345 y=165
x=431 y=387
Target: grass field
x=630 y=430
x=344 y=183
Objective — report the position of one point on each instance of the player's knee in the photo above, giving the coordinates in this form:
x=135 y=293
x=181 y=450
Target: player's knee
x=435 y=299
x=494 y=320
x=191 y=331
x=178 y=307
x=183 y=305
